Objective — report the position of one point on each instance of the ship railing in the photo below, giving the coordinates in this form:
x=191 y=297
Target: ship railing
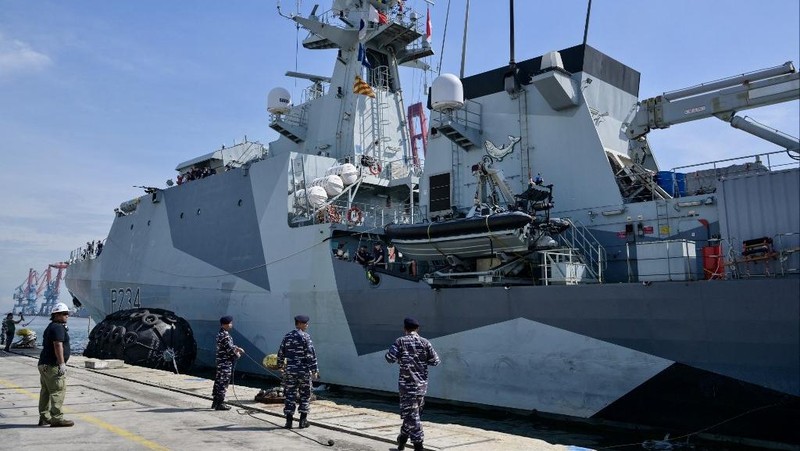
x=577 y=236
x=368 y=217
x=778 y=255
x=788 y=247
x=701 y=177
x=377 y=217
x=470 y=115
x=84 y=253
x=296 y=117
x=409 y=18
x=405 y=16
x=564 y=266
x=314 y=91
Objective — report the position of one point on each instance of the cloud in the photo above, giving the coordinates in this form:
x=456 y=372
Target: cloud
x=18 y=57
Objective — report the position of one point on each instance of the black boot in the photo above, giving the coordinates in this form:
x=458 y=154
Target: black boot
x=214 y=404
x=303 y=420
x=418 y=446
x=288 y=424
x=401 y=441
x=222 y=406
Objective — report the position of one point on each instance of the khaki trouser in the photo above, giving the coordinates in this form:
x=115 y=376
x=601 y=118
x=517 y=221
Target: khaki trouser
x=51 y=396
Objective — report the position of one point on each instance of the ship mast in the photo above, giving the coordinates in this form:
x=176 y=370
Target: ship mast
x=510 y=82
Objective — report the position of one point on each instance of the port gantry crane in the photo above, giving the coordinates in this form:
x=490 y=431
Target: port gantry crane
x=28 y=292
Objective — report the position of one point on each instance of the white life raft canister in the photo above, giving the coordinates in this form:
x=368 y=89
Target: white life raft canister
x=332 y=184
x=348 y=172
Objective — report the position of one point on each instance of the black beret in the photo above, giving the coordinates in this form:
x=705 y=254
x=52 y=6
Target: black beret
x=301 y=318
x=410 y=323
x=227 y=319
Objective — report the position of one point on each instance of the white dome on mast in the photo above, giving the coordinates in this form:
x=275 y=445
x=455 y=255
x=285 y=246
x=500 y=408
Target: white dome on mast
x=279 y=101
x=447 y=93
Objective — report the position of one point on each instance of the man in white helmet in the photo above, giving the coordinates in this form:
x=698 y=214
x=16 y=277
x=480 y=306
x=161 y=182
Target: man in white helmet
x=53 y=368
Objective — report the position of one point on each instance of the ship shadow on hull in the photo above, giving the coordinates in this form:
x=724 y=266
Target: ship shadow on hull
x=726 y=406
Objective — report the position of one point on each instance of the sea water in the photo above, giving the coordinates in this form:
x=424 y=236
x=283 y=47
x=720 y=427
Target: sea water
x=78 y=331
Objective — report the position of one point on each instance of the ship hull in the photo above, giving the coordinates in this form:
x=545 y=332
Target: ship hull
x=680 y=355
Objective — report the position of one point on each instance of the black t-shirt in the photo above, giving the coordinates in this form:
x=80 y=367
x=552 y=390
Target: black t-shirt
x=378 y=256
x=54 y=332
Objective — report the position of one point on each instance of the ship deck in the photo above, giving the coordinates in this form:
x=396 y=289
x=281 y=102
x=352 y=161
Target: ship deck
x=133 y=408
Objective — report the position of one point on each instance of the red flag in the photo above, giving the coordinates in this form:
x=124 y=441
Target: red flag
x=382 y=18
x=428 y=27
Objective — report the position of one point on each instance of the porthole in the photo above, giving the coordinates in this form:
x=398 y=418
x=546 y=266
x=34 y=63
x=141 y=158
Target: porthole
x=131 y=226
x=239 y=203
x=198 y=212
x=148 y=222
x=181 y=215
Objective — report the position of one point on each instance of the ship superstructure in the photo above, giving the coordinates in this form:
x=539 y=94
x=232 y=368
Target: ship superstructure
x=553 y=264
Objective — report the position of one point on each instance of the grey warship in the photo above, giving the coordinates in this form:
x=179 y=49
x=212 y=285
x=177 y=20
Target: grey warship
x=628 y=293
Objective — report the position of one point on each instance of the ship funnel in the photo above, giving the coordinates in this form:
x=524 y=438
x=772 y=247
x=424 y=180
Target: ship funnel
x=279 y=101
x=447 y=93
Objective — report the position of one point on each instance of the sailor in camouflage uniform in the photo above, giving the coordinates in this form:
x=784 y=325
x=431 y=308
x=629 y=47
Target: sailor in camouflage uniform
x=413 y=353
x=227 y=354
x=299 y=366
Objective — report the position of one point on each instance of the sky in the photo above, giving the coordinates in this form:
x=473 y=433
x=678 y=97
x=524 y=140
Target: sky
x=97 y=96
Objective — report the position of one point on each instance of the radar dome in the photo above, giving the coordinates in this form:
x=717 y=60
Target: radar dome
x=447 y=93
x=279 y=101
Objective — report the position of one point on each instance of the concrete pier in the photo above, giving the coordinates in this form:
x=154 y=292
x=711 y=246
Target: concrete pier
x=140 y=408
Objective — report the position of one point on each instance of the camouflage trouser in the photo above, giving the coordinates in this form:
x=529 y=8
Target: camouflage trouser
x=222 y=379
x=410 y=406
x=51 y=396
x=292 y=384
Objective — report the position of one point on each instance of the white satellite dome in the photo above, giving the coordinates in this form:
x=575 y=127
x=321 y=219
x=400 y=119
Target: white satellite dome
x=447 y=93
x=279 y=101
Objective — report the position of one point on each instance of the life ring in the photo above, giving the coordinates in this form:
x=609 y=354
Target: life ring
x=375 y=169
x=354 y=215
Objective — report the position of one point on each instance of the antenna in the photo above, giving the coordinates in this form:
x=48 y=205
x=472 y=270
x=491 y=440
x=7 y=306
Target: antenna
x=511 y=62
x=510 y=81
x=464 y=41
x=586 y=27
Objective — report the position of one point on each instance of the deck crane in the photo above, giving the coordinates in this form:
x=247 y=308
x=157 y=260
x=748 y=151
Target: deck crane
x=722 y=99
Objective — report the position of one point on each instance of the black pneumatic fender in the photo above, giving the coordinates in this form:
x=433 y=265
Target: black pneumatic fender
x=153 y=338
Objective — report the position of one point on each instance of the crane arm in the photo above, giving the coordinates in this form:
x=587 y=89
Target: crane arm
x=721 y=98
